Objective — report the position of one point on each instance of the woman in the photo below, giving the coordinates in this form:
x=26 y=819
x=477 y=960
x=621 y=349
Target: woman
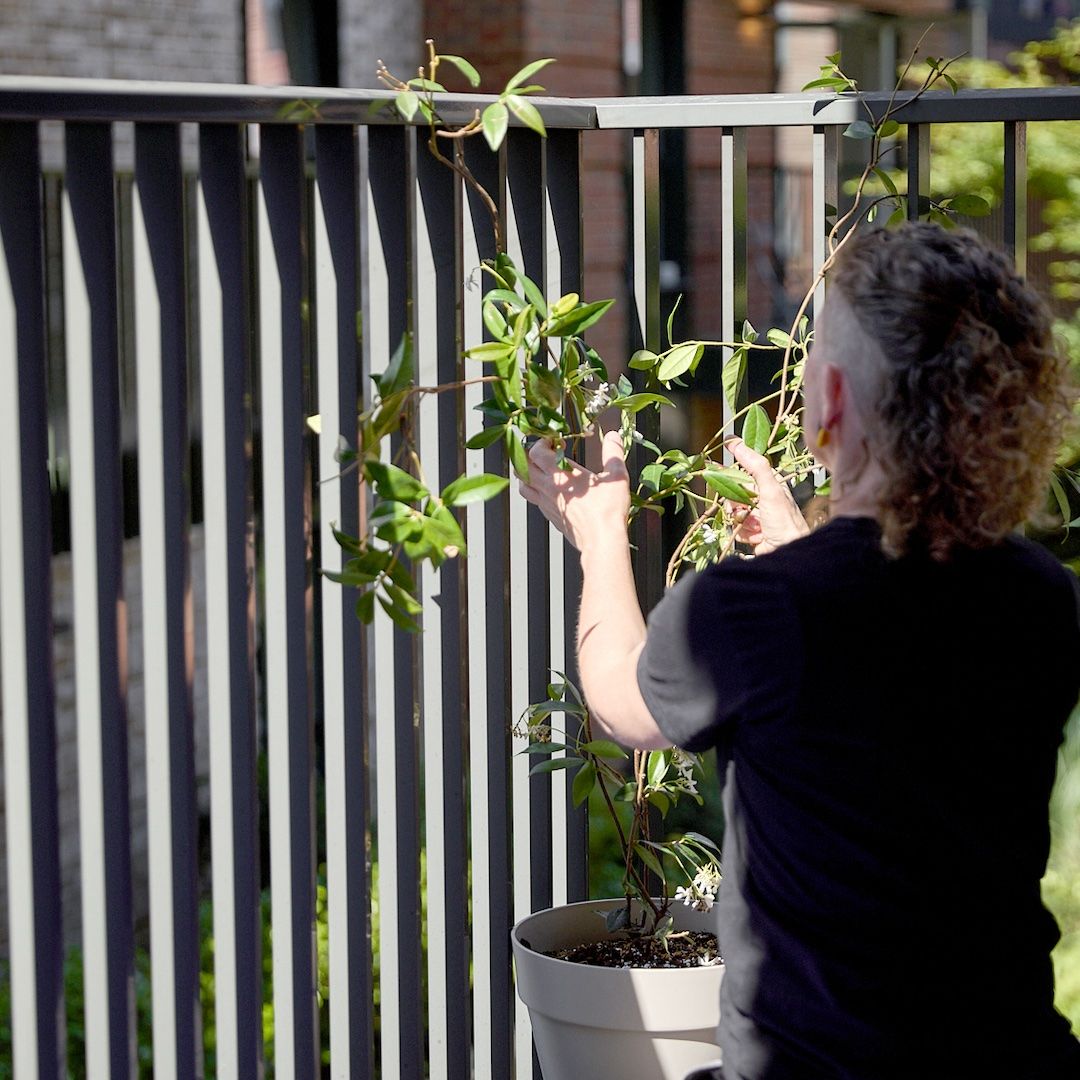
x=887 y=692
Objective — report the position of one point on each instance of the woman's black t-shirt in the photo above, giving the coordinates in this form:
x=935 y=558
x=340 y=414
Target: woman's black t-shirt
x=890 y=731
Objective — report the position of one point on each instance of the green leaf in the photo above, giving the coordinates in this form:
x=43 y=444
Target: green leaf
x=495 y=322
x=828 y=83
x=886 y=181
x=400 y=529
x=732 y=377
x=859 y=129
x=643 y=360
x=564 y=305
x=399 y=371
x=365 y=606
x=603 y=748
x=649 y=859
x=661 y=801
x=347 y=543
x=727 y=488
x=749 y=334
x=427 y=84
x=700 y=839
x=527 y=113
x=780 y=338
x=403 y=598
x=671 y=318
x=400 y=618
x=633 y=403
x=544 y=748
x=554 y=764
x=677 y=361
x=394 y=483
x=527 y=72
x=533 y=293
x=495 y=120
x=407 y=103
x=443 y=531
x=579 y=320
x=544 y=385
x=898 y=215
x=490 y=351
x=651 y=476
x=486 y=437
x=505 y=296
x=887 y=130
x=464 y=67
x=756 y=429
x=516 y=452
x=470 y=489
x=1060 y=498
x=950 y=82
x=969 y=205
x=657 y=766
x=584 y=782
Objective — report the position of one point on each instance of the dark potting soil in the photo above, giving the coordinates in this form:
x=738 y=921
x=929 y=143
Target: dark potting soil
x=689 y=949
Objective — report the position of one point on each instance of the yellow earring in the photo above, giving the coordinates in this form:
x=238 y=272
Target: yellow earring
x=823 y=436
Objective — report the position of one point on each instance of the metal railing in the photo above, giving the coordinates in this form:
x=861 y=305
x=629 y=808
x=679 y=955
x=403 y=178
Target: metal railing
x=285 y=288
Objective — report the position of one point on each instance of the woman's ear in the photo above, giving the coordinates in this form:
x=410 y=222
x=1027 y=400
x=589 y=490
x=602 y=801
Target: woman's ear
x=834 y=395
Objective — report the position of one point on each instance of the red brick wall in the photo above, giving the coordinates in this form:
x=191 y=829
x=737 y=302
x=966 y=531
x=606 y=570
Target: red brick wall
x=723 y=54
x=727 y=55
x=585 y=40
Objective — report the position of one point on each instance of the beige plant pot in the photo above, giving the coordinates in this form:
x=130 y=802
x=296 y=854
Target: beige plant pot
x=592 y=1022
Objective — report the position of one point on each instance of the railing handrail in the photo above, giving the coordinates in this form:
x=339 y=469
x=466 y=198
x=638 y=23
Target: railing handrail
x=47 y=98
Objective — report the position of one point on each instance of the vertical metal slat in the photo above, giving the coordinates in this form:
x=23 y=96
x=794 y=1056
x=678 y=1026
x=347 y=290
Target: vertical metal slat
x=565 y=261
x=1016 y=223
x=282 y=305
x=97 y=570
x=825 y=193
x=161 y=376
x=437 y=269
x=918 y=170
x=38 y=1024
x=224 y=306
x=648 y=564
x=391 y=165
x=488 y=568
x=733 y=257
x=528 y=593
x=337 y=267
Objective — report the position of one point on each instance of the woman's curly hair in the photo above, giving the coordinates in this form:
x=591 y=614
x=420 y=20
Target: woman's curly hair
x=974 y=396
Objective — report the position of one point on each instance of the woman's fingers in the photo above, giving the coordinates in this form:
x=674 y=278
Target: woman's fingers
x=757 y=465
x=612 y=454
x=542 y=455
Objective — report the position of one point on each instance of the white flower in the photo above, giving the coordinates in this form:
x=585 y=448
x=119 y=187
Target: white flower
x=540 y=732
x=704 y=902
x=687 y=784
x=685 y=763
x=709 y=534
x=709 y=961
x=707 y=879
x=600 y=399
x=685 y=894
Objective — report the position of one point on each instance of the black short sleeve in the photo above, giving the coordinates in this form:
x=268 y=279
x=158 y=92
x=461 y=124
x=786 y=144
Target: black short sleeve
x=722 y=643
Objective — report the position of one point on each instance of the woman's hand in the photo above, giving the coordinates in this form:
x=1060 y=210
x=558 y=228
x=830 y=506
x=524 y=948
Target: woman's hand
x=776 y=519
x=584 y=506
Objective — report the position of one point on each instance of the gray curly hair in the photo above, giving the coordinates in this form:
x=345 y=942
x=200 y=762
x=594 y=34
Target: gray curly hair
x=970 y=404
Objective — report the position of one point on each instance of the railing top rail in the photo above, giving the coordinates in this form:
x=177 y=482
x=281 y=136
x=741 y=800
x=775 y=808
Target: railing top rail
x=43 y=98
x=793 y=110
x=25 y=97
